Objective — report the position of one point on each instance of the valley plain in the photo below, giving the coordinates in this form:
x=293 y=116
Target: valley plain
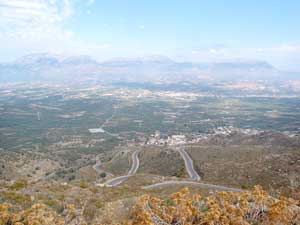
x=62 y=140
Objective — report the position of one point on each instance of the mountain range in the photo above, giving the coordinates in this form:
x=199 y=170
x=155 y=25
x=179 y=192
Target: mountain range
x=156 y=69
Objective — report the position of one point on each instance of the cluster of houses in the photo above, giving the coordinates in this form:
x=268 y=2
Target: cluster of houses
x=179 y=139
x=162 y=140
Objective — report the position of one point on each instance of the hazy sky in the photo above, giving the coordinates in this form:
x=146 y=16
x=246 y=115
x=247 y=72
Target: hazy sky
x=195 y=30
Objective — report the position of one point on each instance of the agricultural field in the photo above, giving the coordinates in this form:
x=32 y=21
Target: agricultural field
x=108 y=145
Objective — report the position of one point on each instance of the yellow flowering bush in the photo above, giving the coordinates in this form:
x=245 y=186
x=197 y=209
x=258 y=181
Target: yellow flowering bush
x=223 y=208
x=254 y=207
x=38 y=214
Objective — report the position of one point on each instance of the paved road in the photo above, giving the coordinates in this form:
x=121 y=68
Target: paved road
x=189 y=164
x=134 y=167
x=115 y=181
x=97 y=165
x=107 y=121
x=192 y=183
x=135 y=163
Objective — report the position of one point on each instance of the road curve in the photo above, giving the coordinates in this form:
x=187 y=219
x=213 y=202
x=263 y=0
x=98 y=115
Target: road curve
x=135 y=163
x=191 y=183
x=134 y=167
x=189 y=164
x=97 y=166
x=115 y=181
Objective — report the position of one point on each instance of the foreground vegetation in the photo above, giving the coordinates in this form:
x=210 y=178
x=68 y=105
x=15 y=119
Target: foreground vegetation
x=50 y=161
x=244 y=208
x=254 y=207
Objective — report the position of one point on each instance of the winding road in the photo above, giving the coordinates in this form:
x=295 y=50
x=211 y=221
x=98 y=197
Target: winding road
x=189 y=165
x=135 y=163
x=134 y=167
x=107 y=121
x=191 y=183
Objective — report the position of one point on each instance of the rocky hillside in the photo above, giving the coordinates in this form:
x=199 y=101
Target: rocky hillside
x=244 y=208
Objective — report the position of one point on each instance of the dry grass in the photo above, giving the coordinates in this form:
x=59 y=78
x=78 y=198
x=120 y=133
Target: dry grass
x=245 y=166
x=161 y=161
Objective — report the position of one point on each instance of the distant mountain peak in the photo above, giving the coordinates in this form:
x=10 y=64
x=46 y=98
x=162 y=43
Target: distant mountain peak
x=153 y=68
x=37 y=57
x=81 y=59
x=150 y=58
x=52 y=59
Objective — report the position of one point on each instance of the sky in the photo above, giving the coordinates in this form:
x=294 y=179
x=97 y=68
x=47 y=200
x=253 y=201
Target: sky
x=185 y=30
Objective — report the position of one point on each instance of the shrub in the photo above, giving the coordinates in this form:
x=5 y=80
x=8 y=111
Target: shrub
x=37 y=214
x=226 y=208
x=83 y=184
x=103 y=174
x=54 y=204
x=18 y=185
